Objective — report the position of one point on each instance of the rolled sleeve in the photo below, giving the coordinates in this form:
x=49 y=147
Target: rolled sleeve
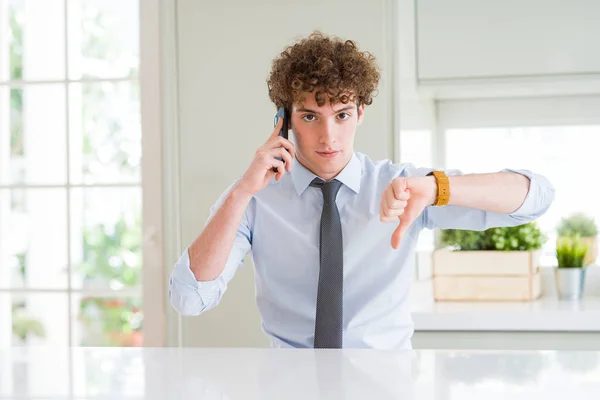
x=189 y=296
x=539 y=197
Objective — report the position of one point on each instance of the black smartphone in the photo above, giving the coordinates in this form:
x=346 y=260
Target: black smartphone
x=285 y=114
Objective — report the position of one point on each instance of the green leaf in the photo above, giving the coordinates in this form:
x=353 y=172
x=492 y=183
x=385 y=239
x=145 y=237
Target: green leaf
x=571 y=252
x=523 y=237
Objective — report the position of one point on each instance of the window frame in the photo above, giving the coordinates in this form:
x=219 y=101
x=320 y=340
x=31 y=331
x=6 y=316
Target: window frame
x=150 y=77
x=575 y=110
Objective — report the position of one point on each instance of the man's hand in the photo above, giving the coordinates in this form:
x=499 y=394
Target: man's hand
x=260 y=171
x=405 y=199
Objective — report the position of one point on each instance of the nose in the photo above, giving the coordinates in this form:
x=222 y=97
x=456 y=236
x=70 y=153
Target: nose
x=327 y=133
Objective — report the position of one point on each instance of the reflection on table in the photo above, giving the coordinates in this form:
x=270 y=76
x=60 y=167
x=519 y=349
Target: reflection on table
x=148 y=373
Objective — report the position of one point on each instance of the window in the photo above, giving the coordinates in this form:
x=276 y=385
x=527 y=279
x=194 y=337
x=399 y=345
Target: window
x=566 y=155
x=416 y=148
x=70 y=173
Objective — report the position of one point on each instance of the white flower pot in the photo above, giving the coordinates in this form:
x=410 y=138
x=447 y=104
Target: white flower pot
x=570 y=282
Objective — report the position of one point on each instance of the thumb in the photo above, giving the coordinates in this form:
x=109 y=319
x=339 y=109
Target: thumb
x=400 y=230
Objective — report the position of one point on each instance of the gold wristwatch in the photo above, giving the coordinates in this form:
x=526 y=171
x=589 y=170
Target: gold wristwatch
x=443 y=186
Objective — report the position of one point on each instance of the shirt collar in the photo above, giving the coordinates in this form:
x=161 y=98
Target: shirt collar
x=349 y=176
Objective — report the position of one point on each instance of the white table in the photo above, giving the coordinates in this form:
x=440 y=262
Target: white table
x=202 y=374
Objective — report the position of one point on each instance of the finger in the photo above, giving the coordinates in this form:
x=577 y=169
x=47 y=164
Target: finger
x=400 y=231
x=393 y=217
x=277 y=128
x=386 y=211
x=382 y=216
x=286 y=157
x=268 y=159
x=280 y=142
x=286 y=144
x=280 y=169
x=393 y=202
x=400 y=189
x=387 y=214
x=383 y=208
x=275 y=163
x=400 y=204
x=271 y=173
x=396 y=237
x=392 y=214
x=280 y=173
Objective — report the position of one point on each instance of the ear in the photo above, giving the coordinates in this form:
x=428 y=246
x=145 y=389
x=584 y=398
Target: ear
x=361 y=113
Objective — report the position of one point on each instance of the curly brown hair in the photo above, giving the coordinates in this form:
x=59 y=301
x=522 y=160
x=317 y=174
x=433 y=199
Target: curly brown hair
x=332 y=66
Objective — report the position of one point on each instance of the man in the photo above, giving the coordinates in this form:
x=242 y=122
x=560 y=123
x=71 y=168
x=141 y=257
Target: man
x=332 y=232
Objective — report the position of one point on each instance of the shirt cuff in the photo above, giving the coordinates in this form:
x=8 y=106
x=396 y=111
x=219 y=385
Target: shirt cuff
x=531 y=206
x=186 y=282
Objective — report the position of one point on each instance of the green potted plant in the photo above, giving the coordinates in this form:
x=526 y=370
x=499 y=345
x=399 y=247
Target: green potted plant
x=514 y=238
x=495 y=264
x=571 y=269
x=580 y=224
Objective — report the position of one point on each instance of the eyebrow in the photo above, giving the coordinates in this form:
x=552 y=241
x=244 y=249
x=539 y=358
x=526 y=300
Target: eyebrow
x=316 y=112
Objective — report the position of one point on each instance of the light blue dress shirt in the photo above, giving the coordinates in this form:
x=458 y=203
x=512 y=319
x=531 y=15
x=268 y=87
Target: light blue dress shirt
x=281 y=229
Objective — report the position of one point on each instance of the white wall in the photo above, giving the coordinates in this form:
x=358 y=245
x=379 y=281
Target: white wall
x=513 y=48
x=224 y=55
x=490 y=38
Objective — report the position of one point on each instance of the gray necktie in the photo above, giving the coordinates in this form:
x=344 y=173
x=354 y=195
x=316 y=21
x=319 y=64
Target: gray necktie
x=329 y=314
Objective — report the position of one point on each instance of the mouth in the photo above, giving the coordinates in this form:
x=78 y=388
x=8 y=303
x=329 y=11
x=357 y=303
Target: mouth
x=328 y=154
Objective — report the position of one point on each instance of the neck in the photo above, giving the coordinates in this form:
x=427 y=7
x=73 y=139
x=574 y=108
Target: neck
x=325 y=177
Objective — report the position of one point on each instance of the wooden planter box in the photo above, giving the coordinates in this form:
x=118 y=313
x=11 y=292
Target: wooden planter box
x=486 y=275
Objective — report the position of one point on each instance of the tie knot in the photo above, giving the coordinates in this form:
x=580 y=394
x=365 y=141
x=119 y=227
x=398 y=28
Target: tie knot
x=330 y=188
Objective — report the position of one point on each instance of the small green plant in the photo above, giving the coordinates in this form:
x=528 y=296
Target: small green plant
x=570 y=252
x=523 y=237
x=577 y=224
x=466 y=239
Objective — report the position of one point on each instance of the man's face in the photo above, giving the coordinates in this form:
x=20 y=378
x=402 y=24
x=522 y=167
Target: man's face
x=325 y=135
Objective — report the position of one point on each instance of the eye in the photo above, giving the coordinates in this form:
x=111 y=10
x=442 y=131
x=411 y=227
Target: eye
x=308 y=118
x=343 y=116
